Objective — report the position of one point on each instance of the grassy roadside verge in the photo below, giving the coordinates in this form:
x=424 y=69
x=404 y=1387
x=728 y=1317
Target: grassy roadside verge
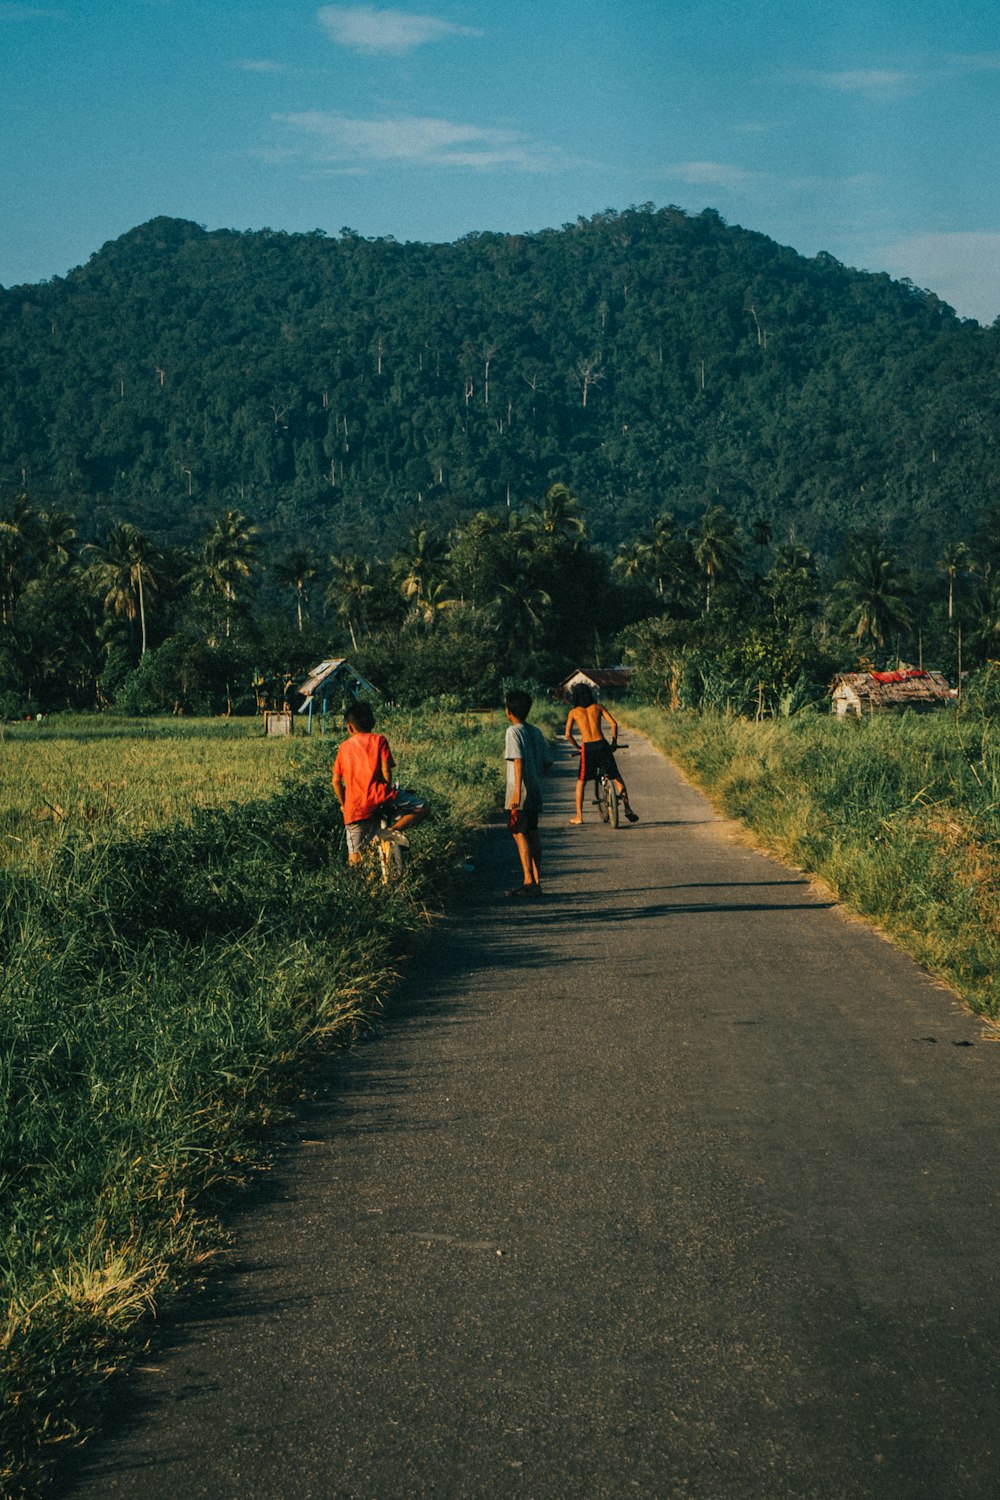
x=162 y=997
x=900 y=817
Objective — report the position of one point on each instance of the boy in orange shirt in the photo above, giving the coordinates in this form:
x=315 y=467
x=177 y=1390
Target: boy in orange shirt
x=362 y=784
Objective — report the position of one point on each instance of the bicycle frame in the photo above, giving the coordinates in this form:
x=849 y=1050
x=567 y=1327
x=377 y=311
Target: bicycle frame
x=606 y=794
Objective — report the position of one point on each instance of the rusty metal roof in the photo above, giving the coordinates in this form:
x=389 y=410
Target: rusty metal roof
x=328 y=673
x=895 y=689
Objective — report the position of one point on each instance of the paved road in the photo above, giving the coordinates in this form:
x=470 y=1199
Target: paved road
x=679 y=1184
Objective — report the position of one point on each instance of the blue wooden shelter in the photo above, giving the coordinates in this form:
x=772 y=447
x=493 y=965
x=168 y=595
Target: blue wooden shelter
x=331 y=683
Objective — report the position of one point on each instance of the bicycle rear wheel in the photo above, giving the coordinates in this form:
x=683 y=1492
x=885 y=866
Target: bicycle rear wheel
x=390 y=858
x=601 y=788
x=612 y=803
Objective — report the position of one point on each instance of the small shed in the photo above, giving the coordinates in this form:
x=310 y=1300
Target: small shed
x=860 y=693
x=332 y=682
x=607 y=682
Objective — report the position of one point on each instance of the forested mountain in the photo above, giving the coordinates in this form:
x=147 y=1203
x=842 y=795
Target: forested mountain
x=339 y=390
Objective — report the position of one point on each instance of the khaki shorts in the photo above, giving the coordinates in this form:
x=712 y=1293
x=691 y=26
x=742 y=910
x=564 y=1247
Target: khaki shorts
x=360 y=835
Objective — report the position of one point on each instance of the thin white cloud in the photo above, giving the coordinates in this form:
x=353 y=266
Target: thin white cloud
x=962 y=268
x=860 y=182
x=977 y=62
x=415 y=141
x=879 y=84
x=260 y=65
x=709 y=174
x=364 y=29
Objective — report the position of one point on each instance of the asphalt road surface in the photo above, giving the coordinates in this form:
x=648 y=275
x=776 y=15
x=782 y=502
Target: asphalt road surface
x=677 y=1183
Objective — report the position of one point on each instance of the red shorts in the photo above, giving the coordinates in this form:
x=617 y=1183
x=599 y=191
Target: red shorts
x=594 y=753
x=522 y=820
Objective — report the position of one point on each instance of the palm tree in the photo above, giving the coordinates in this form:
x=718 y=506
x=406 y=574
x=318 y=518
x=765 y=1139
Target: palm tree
x=717 y=546
x=956 y=558
x=660 y=540
x=228 y=558
x=297 y=571
x=421 y=565
x=873 y=590
x=349 y=590
x=558 y=514
x=122 y=570
x=431 y=604
x=58 y=539
x=632 y=559
x=651 y=554
x=519 y=613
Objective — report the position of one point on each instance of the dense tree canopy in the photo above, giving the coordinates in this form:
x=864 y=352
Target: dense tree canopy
x=706 y=612
x=342 y=391
x=224 y=456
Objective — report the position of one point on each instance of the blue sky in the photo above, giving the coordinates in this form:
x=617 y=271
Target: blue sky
x=863 y=129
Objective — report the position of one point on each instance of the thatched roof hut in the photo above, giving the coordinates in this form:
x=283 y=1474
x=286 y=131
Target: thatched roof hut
x=881 y=692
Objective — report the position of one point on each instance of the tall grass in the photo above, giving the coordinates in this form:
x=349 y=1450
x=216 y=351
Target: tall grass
x=161 y=998
x=899 y=815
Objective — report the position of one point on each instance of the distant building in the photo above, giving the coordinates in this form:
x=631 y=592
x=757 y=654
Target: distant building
x=607 y=682
x=333 y=683
x=860 y=693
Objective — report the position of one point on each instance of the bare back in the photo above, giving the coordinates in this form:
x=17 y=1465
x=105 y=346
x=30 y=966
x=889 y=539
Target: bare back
x=587 y=720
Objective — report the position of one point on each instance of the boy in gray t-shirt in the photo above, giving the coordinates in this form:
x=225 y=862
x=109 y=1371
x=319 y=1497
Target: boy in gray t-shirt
x=527 y=760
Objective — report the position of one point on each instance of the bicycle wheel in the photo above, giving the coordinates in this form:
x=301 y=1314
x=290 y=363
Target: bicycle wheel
x=612 y=802
x=602 y=797
x=390 y=858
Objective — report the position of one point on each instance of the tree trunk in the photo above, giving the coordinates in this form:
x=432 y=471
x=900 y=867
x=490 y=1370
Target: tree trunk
x=142 y=613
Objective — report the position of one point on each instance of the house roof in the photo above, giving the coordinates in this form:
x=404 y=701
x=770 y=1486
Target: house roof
x=889 y=689
x=331 y=673
x=599 y=677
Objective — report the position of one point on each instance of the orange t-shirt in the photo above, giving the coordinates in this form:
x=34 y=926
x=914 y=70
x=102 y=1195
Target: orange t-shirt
x=363 y=764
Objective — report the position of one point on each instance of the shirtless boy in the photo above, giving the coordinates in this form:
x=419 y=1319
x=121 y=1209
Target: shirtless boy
x=586 y=716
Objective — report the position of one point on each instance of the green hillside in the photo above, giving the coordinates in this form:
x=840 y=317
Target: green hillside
x=338 y=390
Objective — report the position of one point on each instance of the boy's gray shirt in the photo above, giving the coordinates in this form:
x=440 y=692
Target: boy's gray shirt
x=527 y=744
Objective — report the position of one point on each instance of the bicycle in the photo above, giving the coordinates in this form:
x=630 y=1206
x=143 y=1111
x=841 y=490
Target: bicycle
x=391 y=856
x=606 y=793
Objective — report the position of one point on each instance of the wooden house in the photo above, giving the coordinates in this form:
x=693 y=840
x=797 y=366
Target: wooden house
x=861 y=693
x=607 y=682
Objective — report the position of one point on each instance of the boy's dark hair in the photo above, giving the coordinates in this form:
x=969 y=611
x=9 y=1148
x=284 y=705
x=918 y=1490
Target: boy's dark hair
x=519 y=703
x=362 y=716
x=582 y=695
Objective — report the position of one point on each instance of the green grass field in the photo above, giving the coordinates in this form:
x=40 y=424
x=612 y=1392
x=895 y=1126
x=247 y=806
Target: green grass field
x=172 y=963
x=899 y=815
x=125 y=776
